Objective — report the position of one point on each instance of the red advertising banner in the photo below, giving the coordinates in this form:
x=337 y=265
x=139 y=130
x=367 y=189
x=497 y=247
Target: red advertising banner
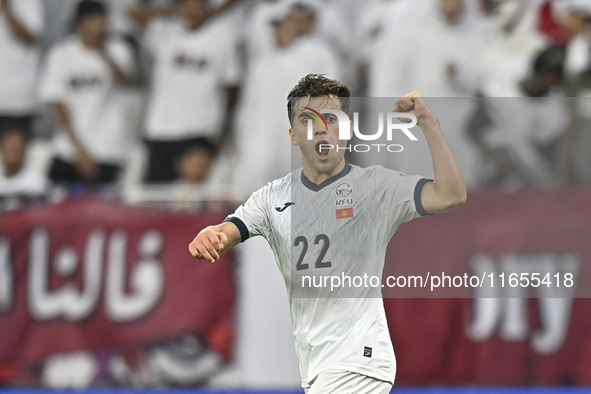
x=88 y=275
x=522 y=332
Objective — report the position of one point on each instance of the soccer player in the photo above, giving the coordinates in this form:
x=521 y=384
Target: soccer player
x=342 y=342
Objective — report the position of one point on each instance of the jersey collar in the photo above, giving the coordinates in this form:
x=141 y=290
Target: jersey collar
x=316 y=188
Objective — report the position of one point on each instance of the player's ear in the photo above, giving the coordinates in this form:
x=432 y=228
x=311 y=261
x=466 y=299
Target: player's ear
x=351 y=130
x=292 y=137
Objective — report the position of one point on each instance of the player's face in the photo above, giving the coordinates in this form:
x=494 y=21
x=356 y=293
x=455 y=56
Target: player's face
x=316 y=151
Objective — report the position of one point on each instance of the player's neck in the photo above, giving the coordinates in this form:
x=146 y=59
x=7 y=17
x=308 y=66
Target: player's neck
x=318 y=177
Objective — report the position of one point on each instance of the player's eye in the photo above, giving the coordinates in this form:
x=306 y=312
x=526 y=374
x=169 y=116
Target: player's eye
x=331 y=118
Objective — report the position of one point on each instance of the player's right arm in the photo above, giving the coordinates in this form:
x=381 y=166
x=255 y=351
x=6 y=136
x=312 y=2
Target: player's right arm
x=214 y=240
x=249 y=220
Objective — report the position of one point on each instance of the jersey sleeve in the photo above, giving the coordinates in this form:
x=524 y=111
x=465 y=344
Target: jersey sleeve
x=399 y=196
x=252 y=217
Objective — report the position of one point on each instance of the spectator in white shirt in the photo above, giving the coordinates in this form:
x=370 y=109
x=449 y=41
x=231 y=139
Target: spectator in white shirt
x=261 y=123
x=434 y=55
x=505 y=60
x=370 y=27
x=20 y=185
x=81 y=80
x=433 y=51
x=119 y=23
x=577 y=24
x=21 y=25
x=524 y=132
x=258 y=31
x=193 y=83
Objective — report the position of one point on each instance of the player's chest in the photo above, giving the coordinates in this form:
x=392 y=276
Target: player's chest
x=336 y=208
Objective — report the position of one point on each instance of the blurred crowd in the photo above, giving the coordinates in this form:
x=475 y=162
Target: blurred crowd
x=99 y=96
x=110 y=98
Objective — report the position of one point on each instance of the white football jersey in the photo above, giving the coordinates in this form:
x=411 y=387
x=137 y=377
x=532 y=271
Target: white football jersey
x=337 y=229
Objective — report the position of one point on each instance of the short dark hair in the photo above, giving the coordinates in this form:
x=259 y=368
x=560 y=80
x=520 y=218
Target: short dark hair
x=317 y=85
x=89 y=8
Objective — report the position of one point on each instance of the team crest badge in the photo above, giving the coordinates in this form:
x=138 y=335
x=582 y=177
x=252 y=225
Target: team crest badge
x=344 y=193
x=344 y=190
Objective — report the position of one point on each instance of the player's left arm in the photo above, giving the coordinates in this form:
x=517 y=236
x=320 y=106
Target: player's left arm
x=449 y=190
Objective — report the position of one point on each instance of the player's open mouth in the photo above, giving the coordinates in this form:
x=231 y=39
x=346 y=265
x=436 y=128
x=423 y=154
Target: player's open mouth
x=323 y=150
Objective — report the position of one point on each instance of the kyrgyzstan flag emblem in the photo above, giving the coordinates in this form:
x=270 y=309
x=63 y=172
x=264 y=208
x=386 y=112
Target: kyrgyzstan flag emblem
x=345 y=213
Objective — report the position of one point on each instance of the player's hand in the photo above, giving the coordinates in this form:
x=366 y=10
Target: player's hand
x=414 y=104
x=208 y=244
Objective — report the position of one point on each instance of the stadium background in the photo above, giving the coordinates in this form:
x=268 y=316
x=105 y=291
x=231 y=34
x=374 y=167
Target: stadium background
x=97 y=289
